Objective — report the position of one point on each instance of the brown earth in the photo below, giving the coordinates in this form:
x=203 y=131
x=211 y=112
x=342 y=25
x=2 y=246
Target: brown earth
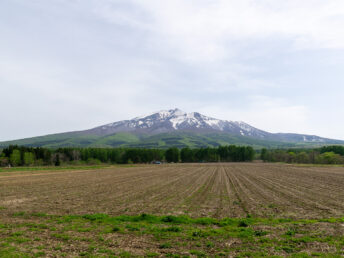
x=216 y=190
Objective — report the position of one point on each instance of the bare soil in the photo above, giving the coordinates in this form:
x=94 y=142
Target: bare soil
x=275 y=209
x=215 y=190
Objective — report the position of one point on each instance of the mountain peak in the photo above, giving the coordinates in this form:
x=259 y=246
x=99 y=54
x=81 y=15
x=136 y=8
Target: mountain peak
x=171 y=125
x=173 y=120
x=162 y=114
x=172 y=112
x=176 y=119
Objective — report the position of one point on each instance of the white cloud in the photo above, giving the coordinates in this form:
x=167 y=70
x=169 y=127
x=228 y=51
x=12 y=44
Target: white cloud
x=205 y=30
x=269 y=114
x=91 y=62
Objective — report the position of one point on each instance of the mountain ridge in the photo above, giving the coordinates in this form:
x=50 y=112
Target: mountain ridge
x=190 y=129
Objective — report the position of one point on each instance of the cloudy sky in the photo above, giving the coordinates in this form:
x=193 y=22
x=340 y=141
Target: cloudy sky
x=75 y=64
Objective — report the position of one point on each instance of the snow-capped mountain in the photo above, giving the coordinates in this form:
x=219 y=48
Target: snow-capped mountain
x=172 y=128
x=177 y=120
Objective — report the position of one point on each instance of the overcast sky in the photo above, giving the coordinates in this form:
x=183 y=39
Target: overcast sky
x=75 y=64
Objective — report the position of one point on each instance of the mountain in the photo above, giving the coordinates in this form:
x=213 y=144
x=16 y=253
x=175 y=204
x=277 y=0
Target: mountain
x=174 y=128
x=168 y=121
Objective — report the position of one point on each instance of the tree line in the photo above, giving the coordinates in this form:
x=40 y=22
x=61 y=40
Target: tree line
x=38 y=156
x=324 y=155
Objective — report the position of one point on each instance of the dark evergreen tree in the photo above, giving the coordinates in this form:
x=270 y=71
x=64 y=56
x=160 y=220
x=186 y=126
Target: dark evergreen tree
x=172 y=155
x=187 y=155
x=57 y=160
x=264 y=154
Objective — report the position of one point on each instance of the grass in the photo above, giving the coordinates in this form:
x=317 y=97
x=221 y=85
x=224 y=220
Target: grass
x=42 y=168
x=96 y=235
x=68 y=167
x=316 y=165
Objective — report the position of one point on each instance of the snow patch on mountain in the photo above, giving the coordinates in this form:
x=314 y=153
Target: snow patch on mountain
x=176 y=119
x=172 y=120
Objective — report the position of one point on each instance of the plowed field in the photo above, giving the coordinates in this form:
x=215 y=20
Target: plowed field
x=212 y=190
x=178 y=210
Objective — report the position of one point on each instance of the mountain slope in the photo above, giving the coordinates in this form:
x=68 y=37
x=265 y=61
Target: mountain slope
x=173 y=128
x=173 y=120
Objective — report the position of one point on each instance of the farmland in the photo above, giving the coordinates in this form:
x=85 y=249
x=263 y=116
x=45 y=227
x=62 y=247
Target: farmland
x=175 y=209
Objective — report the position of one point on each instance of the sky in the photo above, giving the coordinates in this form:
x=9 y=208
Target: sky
x=69 y=65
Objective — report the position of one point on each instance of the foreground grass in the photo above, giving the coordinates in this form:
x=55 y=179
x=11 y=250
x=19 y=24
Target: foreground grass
x=317 y=165
x=101 y=235
x=90 y=167
x=69 y=167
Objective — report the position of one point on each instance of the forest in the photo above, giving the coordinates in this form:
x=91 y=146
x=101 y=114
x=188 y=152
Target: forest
x=324 y=155
x=15 y=155
x=37 y=156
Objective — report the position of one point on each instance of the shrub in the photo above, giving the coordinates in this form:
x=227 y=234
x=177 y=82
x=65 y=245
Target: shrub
x=173 y=229
x=115 y=229
x=260 y=233
x=4 y=162
x=243 y=223
x=165 y=245
x=92 y=161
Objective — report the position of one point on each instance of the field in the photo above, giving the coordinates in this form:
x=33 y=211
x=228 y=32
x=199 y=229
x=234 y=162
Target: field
x=220 y=209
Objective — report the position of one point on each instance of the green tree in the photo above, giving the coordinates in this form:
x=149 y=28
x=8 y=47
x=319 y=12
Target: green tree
x=329 y=158
x=15 y=158
x=291 y=158
x=29 y=158
x=302 y=157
